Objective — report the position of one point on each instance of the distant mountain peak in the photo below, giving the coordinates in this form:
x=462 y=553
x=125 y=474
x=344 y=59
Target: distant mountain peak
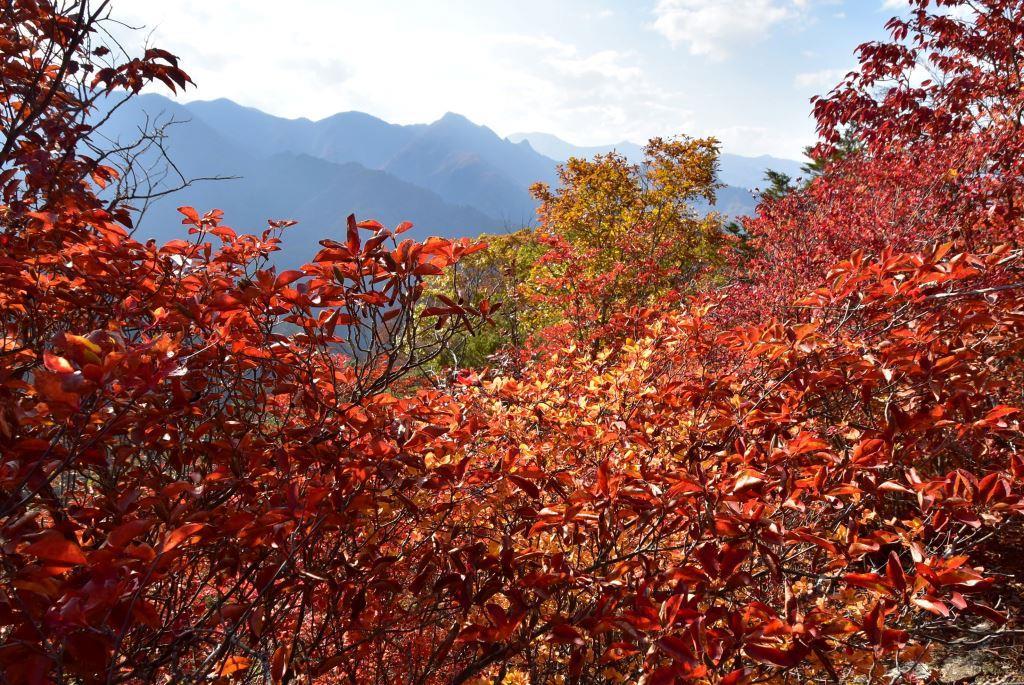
x=456 y=118
x=352 y=115
x=228 y=107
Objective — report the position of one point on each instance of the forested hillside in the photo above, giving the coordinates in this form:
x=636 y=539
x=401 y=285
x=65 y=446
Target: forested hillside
x=629 y=443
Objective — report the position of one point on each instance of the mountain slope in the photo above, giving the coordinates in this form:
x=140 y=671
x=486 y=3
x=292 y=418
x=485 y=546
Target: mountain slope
x=451 y=177
x=462 y=162
x=469 y=164
x=283 y=185
x=343 y=137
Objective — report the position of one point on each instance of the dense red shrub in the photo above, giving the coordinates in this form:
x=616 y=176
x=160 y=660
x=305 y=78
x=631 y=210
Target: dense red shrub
x=213 y=470
x=203 y=471
x=936 y=117
x=719 y=506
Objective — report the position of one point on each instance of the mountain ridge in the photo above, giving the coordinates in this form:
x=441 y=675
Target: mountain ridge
x=424 y=154
x=450 y=177
x=318 y=193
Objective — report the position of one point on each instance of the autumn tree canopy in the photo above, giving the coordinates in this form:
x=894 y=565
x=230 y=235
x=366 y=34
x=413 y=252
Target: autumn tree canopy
x=661 y=459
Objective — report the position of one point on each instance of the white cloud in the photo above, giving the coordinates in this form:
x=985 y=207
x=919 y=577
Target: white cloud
x=337 y=55
x=591 y=97
x=714 y=28
x=962 y=12
x=609 y=63
x=821 y=79
x=581 y=76
x=762 y=140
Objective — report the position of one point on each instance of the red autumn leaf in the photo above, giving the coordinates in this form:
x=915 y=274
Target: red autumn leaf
x=51 y=388
x=784 y=658
x=932 y=605
x=191 y=216
x=180 y=535
x=894 y=573
x=677 y=648
x=127 y=532
x=287 y=278
x=869 y=581
x=279 y=664
x=566 y=634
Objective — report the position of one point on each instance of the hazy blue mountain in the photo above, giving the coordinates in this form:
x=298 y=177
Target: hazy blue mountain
x=560 y=150
x=748 y=172
x=470 y=164
x=733 y=201
x=462 y=162
x=343 y=137
x=278 y=184
x=734 y=170
x=450 y=177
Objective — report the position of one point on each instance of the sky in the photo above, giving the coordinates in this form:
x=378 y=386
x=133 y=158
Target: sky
x=591 y=72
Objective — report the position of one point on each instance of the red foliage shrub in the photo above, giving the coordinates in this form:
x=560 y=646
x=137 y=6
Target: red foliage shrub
x=196 y=478
x=709 y=506
x=213 y=470
x=936 y=117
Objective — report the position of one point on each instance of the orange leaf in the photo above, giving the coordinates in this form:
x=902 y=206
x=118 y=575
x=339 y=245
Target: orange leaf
x=53 y=547
x=51 y=388
x=57 y=364
x=279 y=664
x=191 y=215
x=233 y=664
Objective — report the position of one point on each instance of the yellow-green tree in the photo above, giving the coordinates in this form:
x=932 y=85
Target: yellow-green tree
x=611 y=235
x=623 y=234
